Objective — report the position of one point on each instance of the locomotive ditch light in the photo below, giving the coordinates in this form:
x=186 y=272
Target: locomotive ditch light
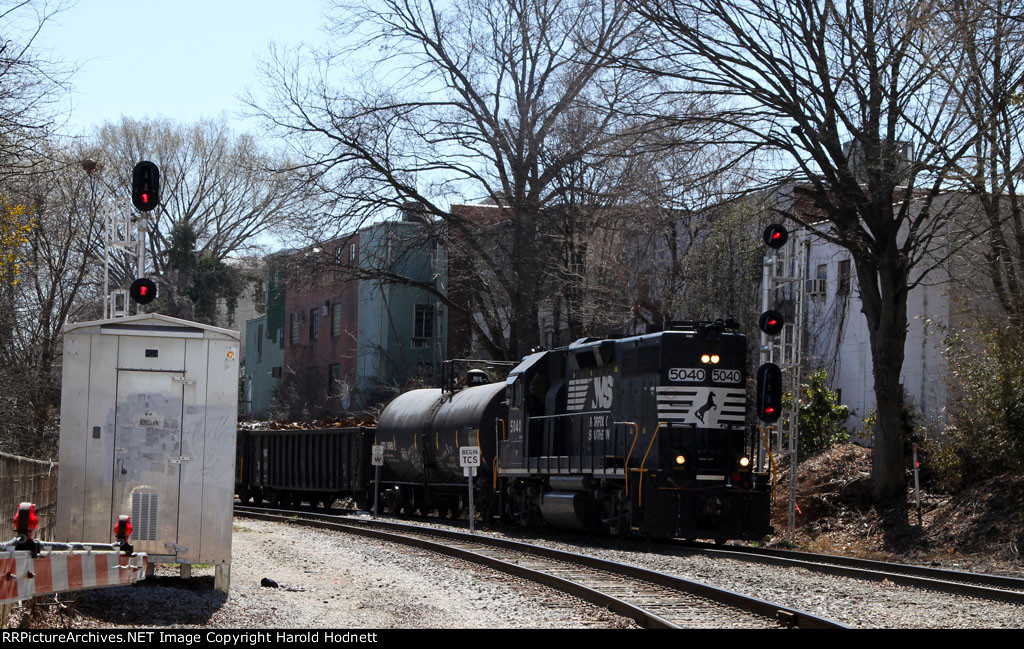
x=744 y=462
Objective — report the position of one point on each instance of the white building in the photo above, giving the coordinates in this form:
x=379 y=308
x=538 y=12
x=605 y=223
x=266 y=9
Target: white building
x=835 y=332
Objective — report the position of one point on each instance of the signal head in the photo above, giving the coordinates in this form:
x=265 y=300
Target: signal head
x=143 y=290
x=771 y=322
x=775 y=236
x=769 y=393
x=145 y=186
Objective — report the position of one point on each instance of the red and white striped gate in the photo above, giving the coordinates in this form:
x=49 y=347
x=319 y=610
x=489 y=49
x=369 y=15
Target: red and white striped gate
x=22 y=577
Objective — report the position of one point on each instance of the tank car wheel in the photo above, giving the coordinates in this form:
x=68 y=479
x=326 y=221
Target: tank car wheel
x=363 y=501
x=391 y=501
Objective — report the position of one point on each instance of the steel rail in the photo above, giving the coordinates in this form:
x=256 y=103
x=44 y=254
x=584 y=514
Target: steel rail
x=993 y=587
x=481 y=549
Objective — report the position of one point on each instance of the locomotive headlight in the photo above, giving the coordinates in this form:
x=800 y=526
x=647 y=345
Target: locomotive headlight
x=705 y=358
x=680 y=460
x=715 y=358
x=744 y=462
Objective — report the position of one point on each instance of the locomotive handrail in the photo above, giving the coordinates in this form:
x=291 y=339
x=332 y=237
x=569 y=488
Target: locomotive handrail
x=579 y=435
x=640 y=491
x=636 y=436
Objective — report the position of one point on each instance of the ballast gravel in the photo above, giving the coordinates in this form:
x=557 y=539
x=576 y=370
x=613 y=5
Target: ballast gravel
x=331 y=580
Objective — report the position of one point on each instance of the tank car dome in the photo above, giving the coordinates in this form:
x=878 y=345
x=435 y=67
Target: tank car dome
x=477 y=377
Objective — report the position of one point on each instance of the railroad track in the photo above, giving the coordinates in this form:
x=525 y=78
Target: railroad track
x=994 y=587
x=652 y=599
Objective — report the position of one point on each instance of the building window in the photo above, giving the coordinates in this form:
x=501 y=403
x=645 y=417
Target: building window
x=259 y=343
x=423 y=326
x=843 y=278
x=295 y=329
x=334 y=380
x=335 y=320
x=314 y=324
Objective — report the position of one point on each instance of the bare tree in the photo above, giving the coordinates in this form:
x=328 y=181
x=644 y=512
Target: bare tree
x=830 y=95
x=217 y=185
x=988 y=79
x=60 y=281
x=466 y=98
x=30 y=87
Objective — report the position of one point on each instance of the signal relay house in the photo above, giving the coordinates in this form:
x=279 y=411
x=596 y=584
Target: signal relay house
x=148 y=421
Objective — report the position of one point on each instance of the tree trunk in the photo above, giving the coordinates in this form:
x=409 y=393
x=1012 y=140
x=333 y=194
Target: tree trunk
x=885 y=308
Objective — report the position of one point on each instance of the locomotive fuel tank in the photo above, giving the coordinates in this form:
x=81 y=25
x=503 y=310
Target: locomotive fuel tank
x=423 y=430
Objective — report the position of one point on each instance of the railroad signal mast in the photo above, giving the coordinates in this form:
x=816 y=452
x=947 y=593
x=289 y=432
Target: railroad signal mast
x=782 y=279
x=128 y=233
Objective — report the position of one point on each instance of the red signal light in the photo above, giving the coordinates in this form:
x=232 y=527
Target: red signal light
x=145 y=186
x=775 y=236
x=25 y=520
x=123 y=527
x=771 y=322
x=143 y=290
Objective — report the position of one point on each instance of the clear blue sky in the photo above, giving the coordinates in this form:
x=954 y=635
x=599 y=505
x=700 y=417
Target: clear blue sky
x=179 y=59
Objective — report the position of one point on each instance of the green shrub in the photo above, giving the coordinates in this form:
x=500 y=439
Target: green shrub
x=822 y=417
x=985 y=433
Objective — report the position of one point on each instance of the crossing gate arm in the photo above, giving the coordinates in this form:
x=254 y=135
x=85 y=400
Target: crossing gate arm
x=22 y=577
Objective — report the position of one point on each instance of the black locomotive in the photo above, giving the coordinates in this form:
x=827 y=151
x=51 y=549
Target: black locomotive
x=645 y=434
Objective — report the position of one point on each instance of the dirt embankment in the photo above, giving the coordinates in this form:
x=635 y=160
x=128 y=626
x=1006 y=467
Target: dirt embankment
x=981 y=528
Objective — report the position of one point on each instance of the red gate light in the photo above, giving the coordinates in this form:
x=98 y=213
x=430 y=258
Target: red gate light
x=123 y=527
x=25 y=520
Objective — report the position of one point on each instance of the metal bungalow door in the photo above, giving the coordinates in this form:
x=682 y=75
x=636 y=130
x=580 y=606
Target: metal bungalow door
x=147 y=457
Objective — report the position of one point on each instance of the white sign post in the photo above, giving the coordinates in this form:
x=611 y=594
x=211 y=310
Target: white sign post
x=377 y=460
x=469 y=460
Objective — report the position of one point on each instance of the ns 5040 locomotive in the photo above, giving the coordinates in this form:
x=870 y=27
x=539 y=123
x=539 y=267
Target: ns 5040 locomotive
x=645 y=434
